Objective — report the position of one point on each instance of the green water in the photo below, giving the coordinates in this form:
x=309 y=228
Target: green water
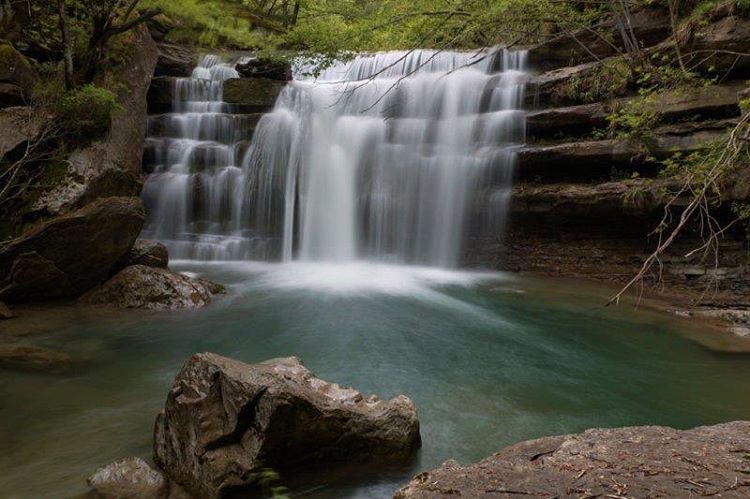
x=488 y=359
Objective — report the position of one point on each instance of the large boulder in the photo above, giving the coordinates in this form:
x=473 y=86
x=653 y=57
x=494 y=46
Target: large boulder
x=20 y=126
x=112 y=166
x=223 y=419
x=647 y=461
x=259 y=93
x=17 y=75
x=69 y=254
x=150 y=288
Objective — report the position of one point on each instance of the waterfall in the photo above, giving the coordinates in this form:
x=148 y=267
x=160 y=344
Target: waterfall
x=386 y=157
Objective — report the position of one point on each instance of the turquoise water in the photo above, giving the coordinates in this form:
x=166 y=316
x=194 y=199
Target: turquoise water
x=489 y=359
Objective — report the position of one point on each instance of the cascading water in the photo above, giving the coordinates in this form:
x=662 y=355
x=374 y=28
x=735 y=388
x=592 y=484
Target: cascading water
x=381 y=158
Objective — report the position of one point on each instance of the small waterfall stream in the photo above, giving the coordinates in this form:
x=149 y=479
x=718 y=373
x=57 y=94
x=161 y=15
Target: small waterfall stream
x=385 y=158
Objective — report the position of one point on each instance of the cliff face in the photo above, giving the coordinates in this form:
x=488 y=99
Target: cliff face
x=86 y=217
x=586 y=202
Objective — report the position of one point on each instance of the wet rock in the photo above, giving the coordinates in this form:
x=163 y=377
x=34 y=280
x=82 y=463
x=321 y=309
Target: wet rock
x=31 y=358
x=69 y=254
x=139 y=286
x=112 y=166
x=175 y=60
x=265 y=68
x=647 y=461
x=259 y=93
x=5 y=312
x=223 y=418
x=130 y=478
x=148 y=253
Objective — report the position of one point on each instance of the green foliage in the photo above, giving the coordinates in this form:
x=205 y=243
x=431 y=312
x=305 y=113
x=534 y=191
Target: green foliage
x=606 y=81
x=86 y=113
x=634 y=119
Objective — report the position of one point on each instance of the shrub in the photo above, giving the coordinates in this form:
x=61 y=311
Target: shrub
x=86 y=113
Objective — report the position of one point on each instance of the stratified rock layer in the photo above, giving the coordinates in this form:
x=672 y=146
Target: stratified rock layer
x=150 y=288
x=648 y=461
x=223 y=419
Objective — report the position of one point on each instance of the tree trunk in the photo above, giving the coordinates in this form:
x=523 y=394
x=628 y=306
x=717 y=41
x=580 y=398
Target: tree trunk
x=67 y=48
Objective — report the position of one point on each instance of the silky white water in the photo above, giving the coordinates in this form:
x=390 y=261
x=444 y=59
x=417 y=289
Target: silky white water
x=392 y=157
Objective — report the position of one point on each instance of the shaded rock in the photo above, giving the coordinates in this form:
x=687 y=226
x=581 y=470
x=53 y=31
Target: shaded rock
x=260 y=93
x=20 y=125
x=223 y=418
x=175 y=60
x=722 y=47
x=552 y=87
x=69 y=254
x=139 y=286
x=130 y=478
x=650 y=26
x=646 y=461
x=6 y=312
x=112 y=166
x=265 y=68
x=16 y=70
x=148 y=253
x=31 y=358
x=11 y=95
x=595 y=159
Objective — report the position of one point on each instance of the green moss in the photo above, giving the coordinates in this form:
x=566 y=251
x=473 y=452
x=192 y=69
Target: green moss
x=86 y=113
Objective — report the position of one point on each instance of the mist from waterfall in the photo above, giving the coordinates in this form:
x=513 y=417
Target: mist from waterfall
x=386 y=157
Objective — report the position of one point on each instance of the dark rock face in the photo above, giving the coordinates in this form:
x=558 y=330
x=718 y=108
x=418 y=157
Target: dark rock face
x=112 y=166
x=722 y=48
x=148 y=253
x=260 y=93
x=223 y=418
x=130 y=478
x=175 y=60
x=265 y=68
x=648 y=461
x=69 y=254
x=650 y=26
x=5 y=312
x=139 y=286
x=17 y=75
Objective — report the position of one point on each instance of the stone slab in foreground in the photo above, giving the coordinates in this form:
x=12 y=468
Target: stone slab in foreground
x=647 y=461
x=224 y=419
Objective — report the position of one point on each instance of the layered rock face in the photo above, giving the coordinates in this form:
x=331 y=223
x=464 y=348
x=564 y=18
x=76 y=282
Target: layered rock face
x=649 y=461
x=224 y=419
x=586 y=199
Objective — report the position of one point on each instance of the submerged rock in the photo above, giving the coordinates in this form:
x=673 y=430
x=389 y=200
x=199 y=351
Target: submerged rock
x=69 y=254
x=148 y=253
x=31 y=358
x=130 y=478
x=224 y=419
x=647 y=461
x=150 y=288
